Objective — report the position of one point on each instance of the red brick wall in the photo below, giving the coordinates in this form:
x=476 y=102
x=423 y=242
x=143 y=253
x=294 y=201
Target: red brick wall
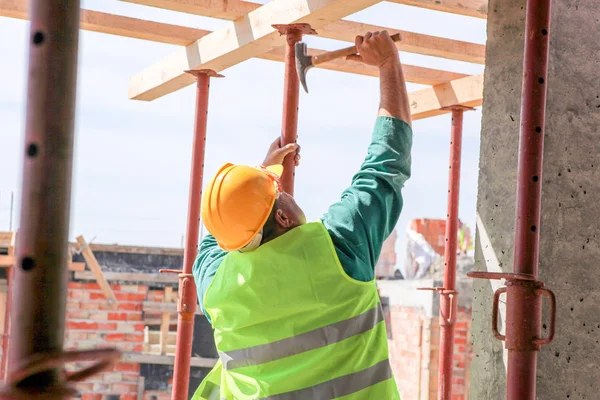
x=414 y=353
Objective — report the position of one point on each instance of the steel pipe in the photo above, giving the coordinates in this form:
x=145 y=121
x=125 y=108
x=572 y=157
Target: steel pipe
x=40 y=271
x=524 y=305
x=449 y=296
x=291 y=96
x=523 y=336
x=186 y=306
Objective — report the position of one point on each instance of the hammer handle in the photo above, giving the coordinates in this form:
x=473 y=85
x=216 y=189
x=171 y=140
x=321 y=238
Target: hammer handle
x=348 y=51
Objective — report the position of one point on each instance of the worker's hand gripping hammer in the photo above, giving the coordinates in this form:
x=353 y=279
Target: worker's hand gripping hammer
x=304 y=62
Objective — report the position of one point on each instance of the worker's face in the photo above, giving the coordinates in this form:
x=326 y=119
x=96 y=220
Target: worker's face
x=289 y=214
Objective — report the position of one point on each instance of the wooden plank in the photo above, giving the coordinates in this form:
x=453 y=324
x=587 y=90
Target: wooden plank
x=470 y=8
x=179 y=35
x=165 y=322
x=5 y=237
x=431 y=101
x=8 y=260
x=96 y=21
x=154 y=338
x=165 y=360
x=92 y=263
x=158 y=307
x=130 y=277
x=339 y=30
x=411 y=42
x=237 y=41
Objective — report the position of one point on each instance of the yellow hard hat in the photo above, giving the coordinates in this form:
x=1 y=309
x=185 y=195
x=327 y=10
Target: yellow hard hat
x=238 y=201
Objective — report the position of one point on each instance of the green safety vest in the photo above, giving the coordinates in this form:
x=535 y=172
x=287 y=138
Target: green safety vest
x=289 y=324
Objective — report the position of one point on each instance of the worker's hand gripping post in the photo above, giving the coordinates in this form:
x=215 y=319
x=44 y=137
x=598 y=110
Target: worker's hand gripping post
x=304 y=61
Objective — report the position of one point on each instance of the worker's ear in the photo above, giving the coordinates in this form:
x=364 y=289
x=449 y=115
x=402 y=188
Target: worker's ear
x=283 y=220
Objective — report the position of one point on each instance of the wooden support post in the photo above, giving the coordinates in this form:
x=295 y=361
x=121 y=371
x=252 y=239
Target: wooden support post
x=165 y=322
x=92 y=263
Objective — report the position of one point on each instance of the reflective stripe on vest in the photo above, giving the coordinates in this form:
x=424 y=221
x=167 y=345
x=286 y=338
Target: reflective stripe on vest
x=314 y=339
x=342 y=386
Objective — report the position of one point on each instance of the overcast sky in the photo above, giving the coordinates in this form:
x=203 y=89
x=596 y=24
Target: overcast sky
x=132 y=158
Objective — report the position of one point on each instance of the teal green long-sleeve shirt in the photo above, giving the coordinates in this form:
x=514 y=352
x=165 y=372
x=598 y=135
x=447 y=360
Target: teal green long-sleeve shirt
x=363 y=218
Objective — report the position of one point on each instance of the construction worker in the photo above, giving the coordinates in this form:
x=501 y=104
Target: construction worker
x=465 y=240
x=294 y=305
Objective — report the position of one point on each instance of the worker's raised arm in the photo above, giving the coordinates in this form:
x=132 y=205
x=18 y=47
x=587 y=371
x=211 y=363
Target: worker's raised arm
x=369 y=209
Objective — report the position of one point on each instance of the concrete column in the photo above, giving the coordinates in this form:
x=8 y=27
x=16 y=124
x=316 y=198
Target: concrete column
x=570 y=229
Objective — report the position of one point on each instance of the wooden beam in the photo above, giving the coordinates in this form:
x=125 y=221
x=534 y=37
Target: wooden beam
x=159 y=307
x=232 y=10
x=244 y=38
x=432 y=101
x=165 y=360
x=179 y=35
x=96 y=21
x=338 y=30
x=411 y=42
x=130 y=277
x=92 y=263
x=470 y=8
x=8 y=261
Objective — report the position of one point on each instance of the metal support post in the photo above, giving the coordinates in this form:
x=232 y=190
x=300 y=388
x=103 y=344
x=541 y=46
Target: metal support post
x=449 y=296
x=448 y=293
x=523 y=337
x=291 y=93
x=40 y=271
x=186 y=306
x=6 y=333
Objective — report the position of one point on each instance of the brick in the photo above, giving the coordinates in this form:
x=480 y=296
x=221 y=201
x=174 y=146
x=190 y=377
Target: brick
x=98 y=296
x=112 y=377
x=99 y=316
x=127 y=367
x=76 y=335
x=128 y=397
x=125 y=327
x=91 y=396
x=134 y=316
x=460 y=340
x=123 y=388
x=78 y=314
x=75 y=285
x=90 y=306
x=96 y=336
x=130 y=306
x=117 y=316
x=91 y=286
x=134 y=337
x=101 y=387
x=115 y=337
x=130 y=296
x=85 y=386
x=107 y=326
x=82 y=325
x=138 y=348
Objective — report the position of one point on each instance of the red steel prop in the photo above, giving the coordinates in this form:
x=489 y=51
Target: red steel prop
x=449 y=295
x=523 y=337
x=186 y=306
x=291 y=93
x=40 y=272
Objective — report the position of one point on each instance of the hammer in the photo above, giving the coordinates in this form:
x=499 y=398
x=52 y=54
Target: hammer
x=304 y=62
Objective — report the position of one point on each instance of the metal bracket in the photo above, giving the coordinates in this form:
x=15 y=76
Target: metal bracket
x=304 y=29
x=452 y=296
x=207 y=72
x=523 y=283
x=48 y=361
